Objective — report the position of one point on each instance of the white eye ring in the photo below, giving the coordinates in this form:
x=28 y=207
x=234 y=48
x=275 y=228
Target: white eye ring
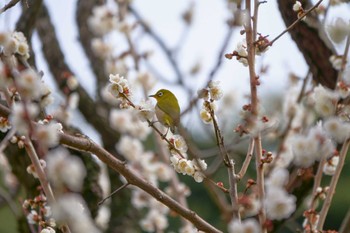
x=160 y=93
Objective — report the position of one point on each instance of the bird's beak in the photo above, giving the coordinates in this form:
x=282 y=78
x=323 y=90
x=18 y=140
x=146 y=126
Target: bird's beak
x=154 y=96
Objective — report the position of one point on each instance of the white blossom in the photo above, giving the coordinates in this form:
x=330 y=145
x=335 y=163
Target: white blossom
x=330 y=166
x=325 y=101
x=65 y=170
x=48 y=230
x=215 y=91
x=145 y=110
x=47 y=134
x=179 y=143
x=130 y=148
x=198 y=176
x=205 y=116
x=278 y=203
x=337 y=129
x=153 y=221
x=118 y=85
x=71 y=209
x=32 y=217
x=278 y=177
x=245 y=226
x=336 y=61
x=21 y=115
x=101 y=49
x=241 y=49
x=102 y=21
x=338 y=30
x=297 y=6
x=304 y=150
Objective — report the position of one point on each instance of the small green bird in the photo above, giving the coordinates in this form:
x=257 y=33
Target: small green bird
x=167 y=109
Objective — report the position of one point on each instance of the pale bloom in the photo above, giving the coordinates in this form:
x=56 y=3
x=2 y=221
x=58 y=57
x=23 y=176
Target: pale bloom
x=297 y=6
x=278 y=177
x=304 y=150
x=337 y=129
x=146 y=110
x=130 y=148
x=28 y=83
x=325 y=101
x=205 y=116
x=48 y=230
x=245 y=226
x=215 y=90
x=118 y=85
x=241 y=50
x=198 y=176
x=65 y=170
x=21 y=115
x=153 y=221
x=101 y=49
x=278 y=203
x=179 y=143
x=71 y=209
x=338 y=30
x=47 y=134
x=32 y=217
x=331 y=165
x=102 y=21
x=336 y=61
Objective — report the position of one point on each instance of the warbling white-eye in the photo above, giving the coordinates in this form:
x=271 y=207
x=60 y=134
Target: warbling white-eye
x=167 y=109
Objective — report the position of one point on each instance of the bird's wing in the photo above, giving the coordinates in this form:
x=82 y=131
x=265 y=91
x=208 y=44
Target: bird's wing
x=171 y=109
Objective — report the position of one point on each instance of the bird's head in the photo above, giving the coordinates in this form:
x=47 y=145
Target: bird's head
x=163 y=95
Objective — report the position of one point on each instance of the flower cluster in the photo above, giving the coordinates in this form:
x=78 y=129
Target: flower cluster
x=338 y=30
x=325 y=101
x=65 y=171
x=278 y=203
x=102 y=21
x=209 y=95
x=39 y=213
x=71 y=209
x=21 y=116
x=119 y=88
x=127 y=121
x=297 y=7
x=311 y=147
x=246 y=226
x=46 y=132
x=194 y=167
x=14 y=43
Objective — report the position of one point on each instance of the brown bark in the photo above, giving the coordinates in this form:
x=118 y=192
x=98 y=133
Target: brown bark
x=314 y=49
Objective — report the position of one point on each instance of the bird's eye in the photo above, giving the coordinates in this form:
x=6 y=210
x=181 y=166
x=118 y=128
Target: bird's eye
x=160 y=94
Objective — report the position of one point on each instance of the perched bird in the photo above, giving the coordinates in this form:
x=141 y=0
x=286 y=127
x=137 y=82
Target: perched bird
x=167 y=109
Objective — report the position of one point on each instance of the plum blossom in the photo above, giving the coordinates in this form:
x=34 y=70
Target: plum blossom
x=278 y=203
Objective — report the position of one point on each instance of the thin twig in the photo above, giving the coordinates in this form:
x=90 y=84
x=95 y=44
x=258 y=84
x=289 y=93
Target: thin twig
x=295 y=22
x=86 y=144
x=251 y=32
x=114 y=192
x=9 y=5
x=247 y=160
x=333 y=185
